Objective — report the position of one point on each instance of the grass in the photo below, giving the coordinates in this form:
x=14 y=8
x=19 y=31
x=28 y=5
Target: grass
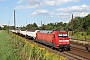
x=80 y=35
x=6 y=47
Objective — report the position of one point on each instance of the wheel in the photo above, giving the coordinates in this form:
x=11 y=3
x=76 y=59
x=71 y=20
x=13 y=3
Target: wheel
x=68 y=49
x=61 y=49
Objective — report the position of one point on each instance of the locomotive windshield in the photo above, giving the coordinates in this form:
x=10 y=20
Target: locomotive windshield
x=62 y=35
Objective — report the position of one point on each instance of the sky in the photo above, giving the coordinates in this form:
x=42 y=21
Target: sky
x=47 y=11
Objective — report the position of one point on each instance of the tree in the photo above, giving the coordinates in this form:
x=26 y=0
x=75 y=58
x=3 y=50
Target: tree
x=32 y=26
x=28 y=26
x=88 y=31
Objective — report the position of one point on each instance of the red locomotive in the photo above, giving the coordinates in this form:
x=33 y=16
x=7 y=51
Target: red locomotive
x=55 y=39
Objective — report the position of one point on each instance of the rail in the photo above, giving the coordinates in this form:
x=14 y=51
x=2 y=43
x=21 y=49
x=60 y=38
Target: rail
x=85 y=42
x=86 y=39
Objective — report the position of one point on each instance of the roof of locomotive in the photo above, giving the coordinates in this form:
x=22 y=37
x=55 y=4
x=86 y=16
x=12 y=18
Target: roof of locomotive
x=46 y=31
x=50 y=31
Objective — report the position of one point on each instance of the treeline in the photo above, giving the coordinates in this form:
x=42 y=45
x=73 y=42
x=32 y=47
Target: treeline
x=50 y=26
x=78 y=24
x=6 y=27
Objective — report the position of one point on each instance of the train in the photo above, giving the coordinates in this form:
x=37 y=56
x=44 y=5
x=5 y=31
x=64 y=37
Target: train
x=53 y=38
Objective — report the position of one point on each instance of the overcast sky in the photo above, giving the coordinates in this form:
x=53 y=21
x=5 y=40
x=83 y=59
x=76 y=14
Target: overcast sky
x=47 y=11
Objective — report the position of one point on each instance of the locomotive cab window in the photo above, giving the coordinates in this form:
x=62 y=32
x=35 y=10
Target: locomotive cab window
x=62 y=35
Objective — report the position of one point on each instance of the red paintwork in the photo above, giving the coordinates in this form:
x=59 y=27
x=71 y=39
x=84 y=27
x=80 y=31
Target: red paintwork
x=50 y=38
x=45 y=37
x=57 y=39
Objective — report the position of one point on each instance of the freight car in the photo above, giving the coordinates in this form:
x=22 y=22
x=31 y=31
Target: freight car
x=32 y=34
x=55 y=39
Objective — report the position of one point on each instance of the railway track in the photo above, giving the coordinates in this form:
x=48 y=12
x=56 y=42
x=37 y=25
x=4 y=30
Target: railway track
x=80 y=48
x=73 y=56
x=82 y=43
x=80 y=51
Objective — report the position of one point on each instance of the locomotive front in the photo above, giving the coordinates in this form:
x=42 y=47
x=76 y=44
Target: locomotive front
x=61 y=40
